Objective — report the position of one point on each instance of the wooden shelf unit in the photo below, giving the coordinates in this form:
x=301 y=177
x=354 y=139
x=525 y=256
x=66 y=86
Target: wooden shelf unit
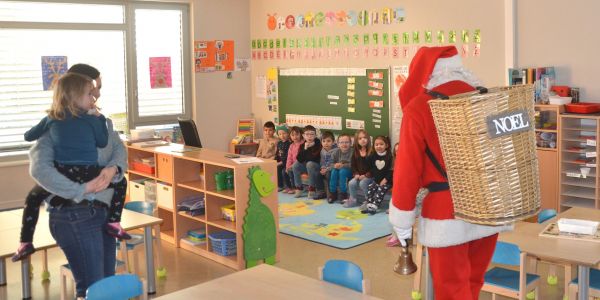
x=578 y=149
x=547 y=123
x=192 y=173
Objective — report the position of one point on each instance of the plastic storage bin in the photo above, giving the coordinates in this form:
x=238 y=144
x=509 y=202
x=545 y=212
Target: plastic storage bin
x=223 y=243
x=164 y=195
x=582 y=108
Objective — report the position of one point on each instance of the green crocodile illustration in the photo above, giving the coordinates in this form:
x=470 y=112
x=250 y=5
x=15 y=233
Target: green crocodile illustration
x=259 y=230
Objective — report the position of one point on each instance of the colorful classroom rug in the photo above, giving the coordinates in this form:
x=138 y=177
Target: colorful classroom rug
x=329 y=224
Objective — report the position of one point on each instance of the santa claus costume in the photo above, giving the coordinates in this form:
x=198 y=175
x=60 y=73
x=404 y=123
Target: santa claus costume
x=459 y=252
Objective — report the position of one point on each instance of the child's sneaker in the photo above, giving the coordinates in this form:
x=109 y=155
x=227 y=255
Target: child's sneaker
x=371 y=208
x=311 y=192
x=363 y=207
x=343 y=196
x=332 y=197
x=392 y=241
x=319 y=195
x=298 y=193
x=23 y=252
x=351 y=202
x=291 y=191
x=279 y=189
x=115 y=230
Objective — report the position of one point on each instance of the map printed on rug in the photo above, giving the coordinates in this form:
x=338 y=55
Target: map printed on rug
x=329 y=224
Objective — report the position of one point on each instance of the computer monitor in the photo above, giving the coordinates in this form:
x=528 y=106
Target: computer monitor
x=189 y=133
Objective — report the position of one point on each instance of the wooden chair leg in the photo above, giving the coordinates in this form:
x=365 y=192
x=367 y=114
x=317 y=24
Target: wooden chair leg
x=569 y=274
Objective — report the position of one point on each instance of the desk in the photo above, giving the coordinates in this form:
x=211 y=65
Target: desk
x=585 y=254
x=265 y=282
x=10 y=227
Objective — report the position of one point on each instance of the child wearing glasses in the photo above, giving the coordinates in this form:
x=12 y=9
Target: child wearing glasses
x=341 y=170
x=308 y=161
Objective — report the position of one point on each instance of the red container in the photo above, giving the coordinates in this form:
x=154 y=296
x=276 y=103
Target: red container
x=582 y=108
x=562 y=90
x=141 y=167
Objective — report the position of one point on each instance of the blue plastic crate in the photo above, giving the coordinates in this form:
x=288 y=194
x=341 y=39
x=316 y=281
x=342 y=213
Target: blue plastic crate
x=223 y=243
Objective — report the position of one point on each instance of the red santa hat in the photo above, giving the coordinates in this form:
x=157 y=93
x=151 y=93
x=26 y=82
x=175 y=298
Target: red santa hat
x=426 y=61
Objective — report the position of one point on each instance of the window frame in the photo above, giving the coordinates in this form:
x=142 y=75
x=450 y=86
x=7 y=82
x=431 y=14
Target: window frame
x=128 y=29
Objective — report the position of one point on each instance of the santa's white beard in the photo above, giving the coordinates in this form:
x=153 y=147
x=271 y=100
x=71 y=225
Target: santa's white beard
x=443 y=76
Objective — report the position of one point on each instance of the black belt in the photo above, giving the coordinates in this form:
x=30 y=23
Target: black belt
x=437 y=186
x=61 y=202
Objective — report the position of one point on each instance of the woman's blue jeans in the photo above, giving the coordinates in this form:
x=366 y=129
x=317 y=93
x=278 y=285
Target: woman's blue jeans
x=339 y=178
x=90 y=251
x=314 y=174
x=355 y=184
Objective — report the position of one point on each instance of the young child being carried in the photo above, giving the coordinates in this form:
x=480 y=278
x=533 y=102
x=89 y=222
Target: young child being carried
x=283 y=146
x=362 y=148
x=297 y=141
x=341 y=171
x=327 y=142
x=77 y=129
x=380 y=163
x=267 y=146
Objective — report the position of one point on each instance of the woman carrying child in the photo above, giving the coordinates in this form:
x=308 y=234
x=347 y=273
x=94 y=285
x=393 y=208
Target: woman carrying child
x=79 y=213
x=380 y=163
x=360 y=168
x=341 y=171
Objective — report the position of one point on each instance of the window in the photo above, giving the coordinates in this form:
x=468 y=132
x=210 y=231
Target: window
x=119 y=40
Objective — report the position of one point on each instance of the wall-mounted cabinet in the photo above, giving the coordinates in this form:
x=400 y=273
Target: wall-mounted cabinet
x=202 y=174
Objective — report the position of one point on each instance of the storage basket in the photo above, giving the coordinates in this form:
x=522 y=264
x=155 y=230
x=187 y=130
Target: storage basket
x=493 y=180
x=228 y=212
x=223 y=243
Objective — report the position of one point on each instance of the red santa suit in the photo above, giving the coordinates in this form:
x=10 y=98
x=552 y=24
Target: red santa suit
x=459 y=252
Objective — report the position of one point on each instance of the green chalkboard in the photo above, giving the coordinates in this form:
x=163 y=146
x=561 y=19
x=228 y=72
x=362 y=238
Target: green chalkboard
x=313 y=92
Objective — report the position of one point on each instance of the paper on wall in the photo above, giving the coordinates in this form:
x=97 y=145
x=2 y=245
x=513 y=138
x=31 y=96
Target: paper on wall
x=355 y=124
x=260 y=87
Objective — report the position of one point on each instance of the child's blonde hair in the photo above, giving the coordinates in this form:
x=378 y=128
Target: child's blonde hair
x=68 y=90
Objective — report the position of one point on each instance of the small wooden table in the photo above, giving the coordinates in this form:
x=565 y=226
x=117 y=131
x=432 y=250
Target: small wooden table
x=10 y=228
x=266 y=282
x=585 y=254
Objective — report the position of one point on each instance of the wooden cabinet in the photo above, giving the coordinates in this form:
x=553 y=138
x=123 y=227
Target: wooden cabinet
x=578 y=165
x=192 y=174
x=547 y=124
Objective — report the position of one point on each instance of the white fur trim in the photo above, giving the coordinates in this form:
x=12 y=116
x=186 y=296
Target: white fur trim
x=452 y=62
x=401 y=218
x=450 y=232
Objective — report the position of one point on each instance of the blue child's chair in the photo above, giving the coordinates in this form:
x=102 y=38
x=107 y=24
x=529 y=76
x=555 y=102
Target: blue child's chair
x=546 y=214
x=594 y=290
x=117 y=287
x=344 y=273
x=507 y=282
x=146 y=208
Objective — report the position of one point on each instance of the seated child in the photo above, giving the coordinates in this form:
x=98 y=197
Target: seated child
x=308 y=159
x=327 y=140
x=283 y=145
x=360 y=180
x=267 y=146
x=297 y=141
x=76 y=128
x=380 y=169
x=341 y=171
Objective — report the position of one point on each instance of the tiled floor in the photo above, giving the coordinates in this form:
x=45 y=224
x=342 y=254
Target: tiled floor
x=186 y=269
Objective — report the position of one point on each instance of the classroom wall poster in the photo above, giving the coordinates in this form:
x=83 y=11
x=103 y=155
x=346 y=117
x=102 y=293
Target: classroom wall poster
x=210 y=56
x=52 y=68
x=399 y=75
x=321 y=122
x=272 y=94
x=204 y=56
x=160 y=72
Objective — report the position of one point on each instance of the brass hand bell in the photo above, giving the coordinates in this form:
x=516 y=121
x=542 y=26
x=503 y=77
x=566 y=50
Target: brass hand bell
x=405 y=264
